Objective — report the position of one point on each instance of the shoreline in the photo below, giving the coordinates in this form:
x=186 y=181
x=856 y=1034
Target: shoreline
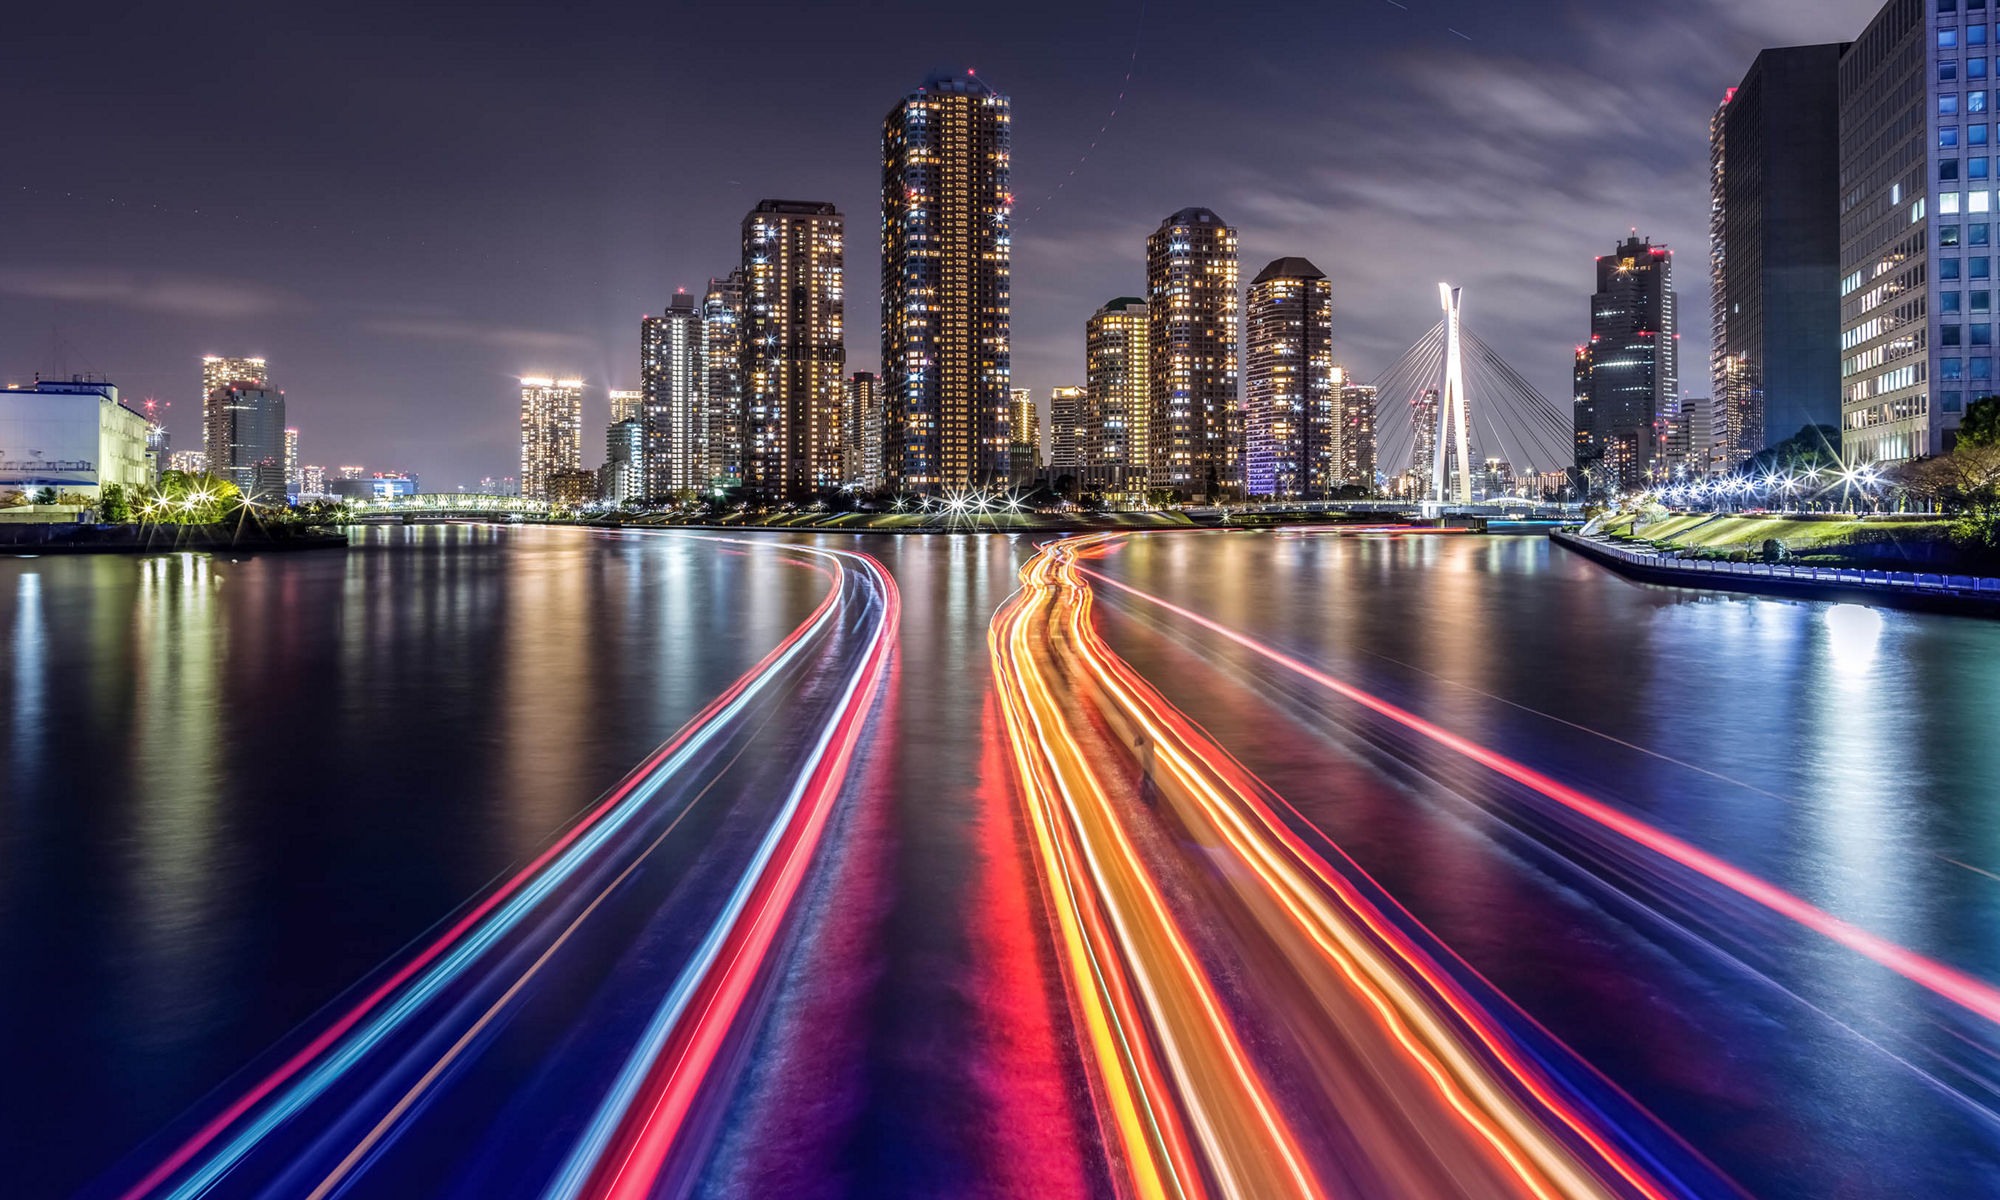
x=1963 y=595
x=154 y=539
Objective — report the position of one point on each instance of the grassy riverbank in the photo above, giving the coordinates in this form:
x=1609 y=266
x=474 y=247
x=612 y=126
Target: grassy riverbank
x=1827 y=540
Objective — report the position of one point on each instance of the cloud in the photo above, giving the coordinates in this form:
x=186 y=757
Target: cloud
x=175 y=294
x=453 y=329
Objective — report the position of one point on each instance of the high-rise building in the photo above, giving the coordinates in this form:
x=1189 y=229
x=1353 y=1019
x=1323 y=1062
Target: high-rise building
x=1290 y=435
x=189 y=462
x=722 y=340
x=1024 y=426
x=624 y=472
x=1355 y=419
x=1117 y=383
x=1632 y=379
x=673 y=379
x=220 y=371
x=627 y=403
x=861 y=431
x=312 y=482
x=1718 y=246
x=293 y=484
x=1423 y=446
x=1691 y=446
x=946 y=250
x=352 y=472
x=1066 y=433
x=1775 y=164
x=793 y=348
x=1197 y=429
x=551 y=432
x=245 y=437
x=1916 y=229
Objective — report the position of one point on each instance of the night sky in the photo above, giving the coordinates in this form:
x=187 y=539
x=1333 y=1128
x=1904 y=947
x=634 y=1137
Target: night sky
x=406 y=210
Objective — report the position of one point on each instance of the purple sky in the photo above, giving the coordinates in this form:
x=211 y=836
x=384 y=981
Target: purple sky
x=406 y=210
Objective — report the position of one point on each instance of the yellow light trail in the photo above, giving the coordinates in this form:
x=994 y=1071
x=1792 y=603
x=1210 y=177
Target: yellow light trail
x=1471 y=1114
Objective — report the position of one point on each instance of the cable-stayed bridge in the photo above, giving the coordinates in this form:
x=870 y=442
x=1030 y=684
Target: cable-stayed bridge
x=1506 y=417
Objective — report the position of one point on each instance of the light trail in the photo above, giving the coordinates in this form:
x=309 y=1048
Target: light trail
x=1111 y=975
x=1504 y=1108
x=394 y=1003
x=631 y=1135
x=1972 y=994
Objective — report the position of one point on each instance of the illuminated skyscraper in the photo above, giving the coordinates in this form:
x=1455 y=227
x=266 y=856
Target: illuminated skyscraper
x=627 y=403
x=946 y=251
x=1197 y=429
x=1117 y=429
x=722 y=339
x=551 y=431
x=861 y=431
x=793 y=348
x=245 y=437
x=673 y=377
x=1631 y=380
x=1066 y=432
x=292 y=484
x=1423 y=448
x=1355 y=418
x=219 y=371
x=1290 y=439
x=624 y=471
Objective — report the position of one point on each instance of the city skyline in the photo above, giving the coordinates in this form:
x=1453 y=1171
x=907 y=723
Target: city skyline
x=136 y=302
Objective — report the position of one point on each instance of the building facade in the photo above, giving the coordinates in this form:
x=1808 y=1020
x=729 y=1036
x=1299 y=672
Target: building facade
x=794 y=349
x=1775 y=160
x=551 y=432
x=245 y=437
x=1916 y=228
x=861 y=431
x=722 y=342
x=1024 y=426
x=1192 y=330
x=623 y=476
x=70 y=436
x=946 y=288
x=1355 y=418
x=627 y=403
x=220 y=371
x=1290 y=431
x=1117 y=384
x=673 y=379
x=1067 y=433
x=1628 y=386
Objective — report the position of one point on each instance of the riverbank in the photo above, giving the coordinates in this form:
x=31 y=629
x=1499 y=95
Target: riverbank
x=159 y=539
x=1970 y=595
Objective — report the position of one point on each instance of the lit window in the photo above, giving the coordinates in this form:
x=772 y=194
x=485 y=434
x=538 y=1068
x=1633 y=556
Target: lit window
x=1947 y=38
x=1979 y=202
x=1948 y=202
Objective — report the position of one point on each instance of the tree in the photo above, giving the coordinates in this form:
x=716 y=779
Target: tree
x=1812 y=446
x=1981 y=426
x=112 y=505
x=190 y=498
x=1966 y=480
x=46 y=496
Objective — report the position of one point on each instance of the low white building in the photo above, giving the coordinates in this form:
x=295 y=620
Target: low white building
x=72 y=436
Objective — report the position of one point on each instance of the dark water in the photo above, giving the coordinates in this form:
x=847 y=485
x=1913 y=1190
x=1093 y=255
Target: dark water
x=229 y=789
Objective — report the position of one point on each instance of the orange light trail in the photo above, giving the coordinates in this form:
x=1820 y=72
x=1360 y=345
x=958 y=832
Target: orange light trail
x=1503 y=1109
x=1972 y=994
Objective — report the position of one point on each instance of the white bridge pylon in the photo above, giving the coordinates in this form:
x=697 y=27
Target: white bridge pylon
x=1452 y=426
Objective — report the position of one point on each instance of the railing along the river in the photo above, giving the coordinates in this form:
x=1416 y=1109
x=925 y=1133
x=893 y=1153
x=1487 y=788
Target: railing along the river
x=1966 y=585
